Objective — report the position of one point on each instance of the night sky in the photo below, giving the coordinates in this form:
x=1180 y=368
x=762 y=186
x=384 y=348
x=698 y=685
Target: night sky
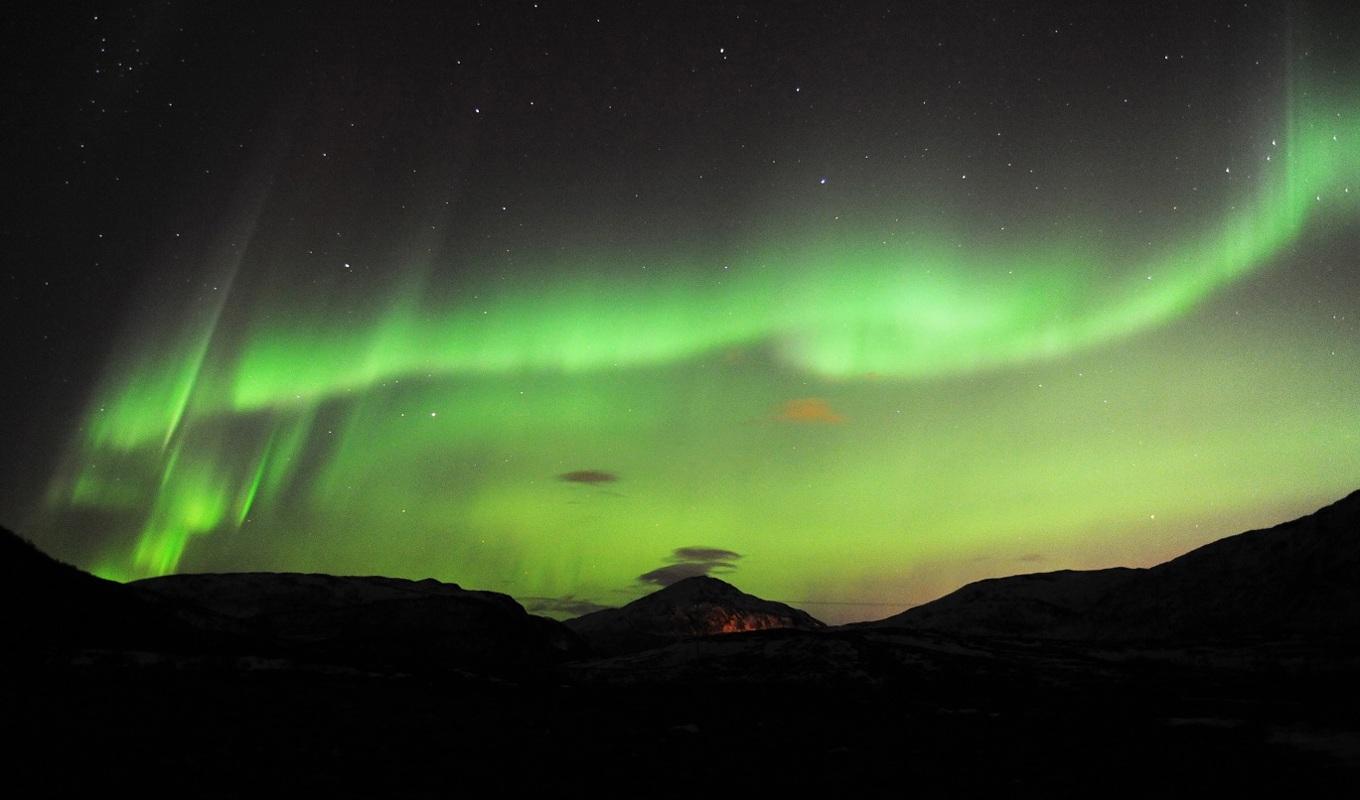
x=845 y=304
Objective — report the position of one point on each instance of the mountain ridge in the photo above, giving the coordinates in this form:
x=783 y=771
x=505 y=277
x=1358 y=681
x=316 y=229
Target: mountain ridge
x=1294 y=578
x=696 y=606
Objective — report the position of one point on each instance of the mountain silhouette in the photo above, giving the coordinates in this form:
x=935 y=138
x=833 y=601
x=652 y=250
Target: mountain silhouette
x=1298 y=578
x=51 y=605
x=374 y=621
x=697 y=606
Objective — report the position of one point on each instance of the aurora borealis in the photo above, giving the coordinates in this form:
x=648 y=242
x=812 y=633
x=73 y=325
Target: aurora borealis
x=535 y=297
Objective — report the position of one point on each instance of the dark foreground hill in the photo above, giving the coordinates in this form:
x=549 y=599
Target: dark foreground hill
x=46 y=604
x=374 y=621
x=1299 y=578
x=52 y=611
x=1228 y=671
x=693 y=607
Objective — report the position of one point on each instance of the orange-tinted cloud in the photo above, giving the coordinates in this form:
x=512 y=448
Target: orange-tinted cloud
x=809 y=409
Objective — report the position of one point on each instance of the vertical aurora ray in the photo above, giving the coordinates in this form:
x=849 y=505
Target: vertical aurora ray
x=146 y=438
x=252 y=488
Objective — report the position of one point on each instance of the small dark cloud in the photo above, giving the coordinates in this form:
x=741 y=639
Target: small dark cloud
x=1028 y=558
x=593 y=477
x=567 y=605
x=690 y=562
x=674 y=573
x=704 y=554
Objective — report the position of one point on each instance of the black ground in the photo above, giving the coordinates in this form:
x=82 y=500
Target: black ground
x=1042 y=721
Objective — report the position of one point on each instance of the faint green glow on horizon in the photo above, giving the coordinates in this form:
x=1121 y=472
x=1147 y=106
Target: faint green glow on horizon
x=414 y=410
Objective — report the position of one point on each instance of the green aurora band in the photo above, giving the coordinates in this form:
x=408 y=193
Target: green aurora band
x=446 y=421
